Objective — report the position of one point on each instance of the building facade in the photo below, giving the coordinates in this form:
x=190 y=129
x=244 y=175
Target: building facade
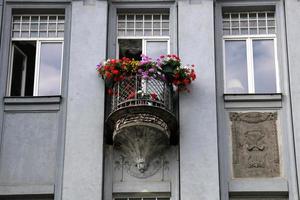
x=235 y=136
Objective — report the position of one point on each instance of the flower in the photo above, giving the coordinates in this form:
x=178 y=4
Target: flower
x=153 y=96
x=167 y=68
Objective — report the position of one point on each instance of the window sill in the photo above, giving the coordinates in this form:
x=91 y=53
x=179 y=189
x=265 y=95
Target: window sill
x=26 y=190
x=39 y=103
x=253 y=100
x=258 y=186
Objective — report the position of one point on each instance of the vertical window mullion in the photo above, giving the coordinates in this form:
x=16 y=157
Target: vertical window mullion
x=152 y=25
x=224 y=67
x=144 y=46
x=134 y=25
x=276 y=66
x=47 y=26
x=29 y=26
x=161 y=24
x=61 y=66
x=24 y=70
x=250 y=67
x=37 y=68
x=21 y=26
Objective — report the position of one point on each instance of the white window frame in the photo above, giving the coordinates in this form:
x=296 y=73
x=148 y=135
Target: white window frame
x=144 y=39
x=249 y=51
x=13 y=47
x=38 y=41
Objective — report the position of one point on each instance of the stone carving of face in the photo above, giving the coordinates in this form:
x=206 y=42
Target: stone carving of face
x=141 y=165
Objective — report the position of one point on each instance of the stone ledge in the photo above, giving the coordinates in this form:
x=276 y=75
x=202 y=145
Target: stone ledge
x=258 y=186
x=253 y=100
x=26 y=189
x=39 y=103
x=138 y=187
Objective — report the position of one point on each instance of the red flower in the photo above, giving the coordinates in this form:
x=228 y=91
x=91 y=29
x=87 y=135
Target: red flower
x=106 y=67
x=108 y=75
x=186 y=81
x=109 y=91
x=131 y=95
x=153 y=96
x=193 y=76
x=116 y=72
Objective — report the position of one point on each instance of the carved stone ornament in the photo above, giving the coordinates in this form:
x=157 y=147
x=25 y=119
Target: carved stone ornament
x=142 y=139
x=254 y=144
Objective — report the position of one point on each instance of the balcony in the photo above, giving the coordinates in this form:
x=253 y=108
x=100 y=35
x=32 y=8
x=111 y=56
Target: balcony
x=142 y=120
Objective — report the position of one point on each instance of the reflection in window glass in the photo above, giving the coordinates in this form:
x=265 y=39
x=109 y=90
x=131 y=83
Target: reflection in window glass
x=264 y=66
x=130 y=48
x=236 y=67
x=50 y=68
x=156 y=48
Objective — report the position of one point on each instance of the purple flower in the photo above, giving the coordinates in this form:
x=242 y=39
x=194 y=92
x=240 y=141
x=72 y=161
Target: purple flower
x=151 y=70
x=145 y=75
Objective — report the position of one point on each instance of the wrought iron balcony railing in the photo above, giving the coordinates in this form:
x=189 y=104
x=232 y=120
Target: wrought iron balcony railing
x=137 y=96
x=136 y=91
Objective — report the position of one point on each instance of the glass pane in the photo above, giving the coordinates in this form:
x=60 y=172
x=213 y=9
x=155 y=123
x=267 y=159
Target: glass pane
x=236 y=67
x=156 y=48
x=50 y=69
x=130 y=48
x=264 y=66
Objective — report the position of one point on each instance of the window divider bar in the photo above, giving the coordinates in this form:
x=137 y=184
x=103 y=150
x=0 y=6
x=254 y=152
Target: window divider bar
x=250 y=67
x=47 y=26
x=21 y=25
x=276 y=66
x=257 y=27
x=37 y=68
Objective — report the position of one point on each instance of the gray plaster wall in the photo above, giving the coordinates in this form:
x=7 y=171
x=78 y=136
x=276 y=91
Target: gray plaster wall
x=1 y=12
x=82 y=175
x=199 y=175
x=292 y=8
x=28 y=149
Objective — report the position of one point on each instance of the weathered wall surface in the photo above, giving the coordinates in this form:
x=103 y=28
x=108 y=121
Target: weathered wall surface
x=199 y=177
x=28 y=150
x=292 y=8
x=82 y=178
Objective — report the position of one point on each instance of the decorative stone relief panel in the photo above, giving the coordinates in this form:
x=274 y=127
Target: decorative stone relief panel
x=254 y=144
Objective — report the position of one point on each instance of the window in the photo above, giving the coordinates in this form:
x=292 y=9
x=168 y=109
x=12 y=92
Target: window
x=36 y=55
x=250 y=55
x=143 y=33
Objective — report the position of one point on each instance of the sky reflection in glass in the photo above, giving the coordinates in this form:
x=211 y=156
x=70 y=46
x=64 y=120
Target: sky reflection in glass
x=236 y=67
x=264 y=66
x=156 y=48
x=50 y=69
